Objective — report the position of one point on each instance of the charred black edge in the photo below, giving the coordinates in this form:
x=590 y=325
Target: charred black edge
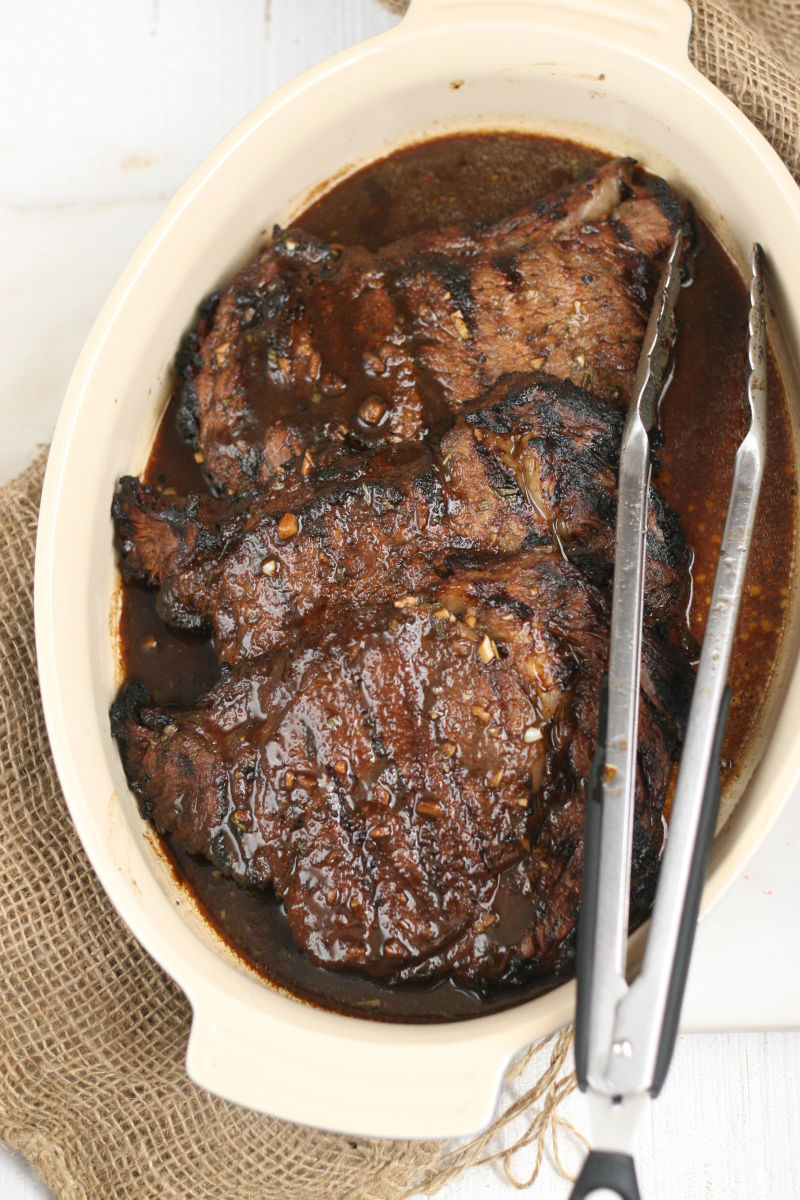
x=675 y=550
x=641 y=279
x=127 y=495
x=507 y=263
x=188 y=362
x=178 y=511
x=130 y=712
x=677 y=211
x=456 y=278
x=131 y=699
x=529 y=388
x=673 y=681
x=555 y=206
x=642 y=275
x=131 y=496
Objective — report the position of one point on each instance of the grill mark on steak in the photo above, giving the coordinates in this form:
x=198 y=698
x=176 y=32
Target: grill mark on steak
x=455 y=870
x=534 y=465
x=405 y=563
x=314 y=342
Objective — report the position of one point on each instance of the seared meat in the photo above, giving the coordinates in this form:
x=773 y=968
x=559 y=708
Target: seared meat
x=405 y=561
x=313 y=342
x=533 y=465
x=560 y=446
x=412 y=784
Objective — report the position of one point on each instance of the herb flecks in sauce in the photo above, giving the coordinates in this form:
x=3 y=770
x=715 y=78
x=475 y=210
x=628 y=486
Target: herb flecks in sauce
x=471 y=178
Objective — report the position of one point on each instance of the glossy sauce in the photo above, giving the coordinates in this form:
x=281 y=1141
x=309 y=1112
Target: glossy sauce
x=483 y=177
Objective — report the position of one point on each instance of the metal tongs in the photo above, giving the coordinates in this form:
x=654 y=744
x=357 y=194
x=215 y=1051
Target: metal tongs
x=625 y=1031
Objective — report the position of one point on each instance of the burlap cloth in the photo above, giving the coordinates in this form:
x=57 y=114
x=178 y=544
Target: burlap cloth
x=92 y=1033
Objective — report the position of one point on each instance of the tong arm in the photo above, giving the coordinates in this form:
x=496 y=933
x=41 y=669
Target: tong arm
x=610 y=807
x=648 y=1012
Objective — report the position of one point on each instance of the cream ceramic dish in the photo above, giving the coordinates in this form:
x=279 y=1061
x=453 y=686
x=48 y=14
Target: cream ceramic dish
x=613 y=73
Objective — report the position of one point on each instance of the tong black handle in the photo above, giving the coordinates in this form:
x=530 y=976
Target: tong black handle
x=605 y=1169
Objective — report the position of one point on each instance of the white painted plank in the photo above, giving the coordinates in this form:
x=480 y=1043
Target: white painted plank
x=109 y=102
x=19 y=1180
x=305 y=33
x=724 y=1128
x=755 y=921
x=59 y=263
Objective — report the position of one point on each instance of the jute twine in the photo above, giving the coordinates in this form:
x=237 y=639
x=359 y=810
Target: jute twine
x=92 y=1033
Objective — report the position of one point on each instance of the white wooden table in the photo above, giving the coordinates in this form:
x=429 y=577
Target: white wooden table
x=106 y=108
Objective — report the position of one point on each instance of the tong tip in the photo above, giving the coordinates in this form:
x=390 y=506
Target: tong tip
x=756 y=325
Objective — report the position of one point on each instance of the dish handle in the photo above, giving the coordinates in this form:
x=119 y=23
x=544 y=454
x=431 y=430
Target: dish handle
x=355 y=1077
x=664 y=22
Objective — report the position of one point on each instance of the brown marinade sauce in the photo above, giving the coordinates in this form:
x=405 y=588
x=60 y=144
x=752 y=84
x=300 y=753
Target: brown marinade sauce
x=481 y=177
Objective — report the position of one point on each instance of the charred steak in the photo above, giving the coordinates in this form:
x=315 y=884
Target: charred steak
x=405 y=560
x=313 y=341
x=534 y=464
x=413 y=786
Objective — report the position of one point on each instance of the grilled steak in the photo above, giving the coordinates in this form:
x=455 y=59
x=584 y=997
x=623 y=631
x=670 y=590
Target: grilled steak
x=412 y=786
x=533 y=464
x=313 y=342
x=405 y=560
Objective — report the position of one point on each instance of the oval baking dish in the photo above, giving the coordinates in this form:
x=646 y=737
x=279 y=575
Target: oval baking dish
x=615 y=75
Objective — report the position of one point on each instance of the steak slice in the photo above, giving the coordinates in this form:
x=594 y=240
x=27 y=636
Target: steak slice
x=535 y=464
x=412 y=785
x=313 y=342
